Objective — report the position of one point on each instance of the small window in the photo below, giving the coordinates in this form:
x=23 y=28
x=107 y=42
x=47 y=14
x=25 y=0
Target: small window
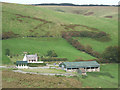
x=88 y=67
x=92 y=67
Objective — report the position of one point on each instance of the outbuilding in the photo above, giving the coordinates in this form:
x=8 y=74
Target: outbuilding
x=86 y=66
x=22 y=64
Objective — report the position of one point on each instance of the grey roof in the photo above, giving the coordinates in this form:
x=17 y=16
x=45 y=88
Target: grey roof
x=21 y=62
x=81 y=64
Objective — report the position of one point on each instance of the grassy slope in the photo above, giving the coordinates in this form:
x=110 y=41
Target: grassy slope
x=109 y=26
x=106 y=78
x=98 y=11
x=42 y=45
x=10 y=23
x=96 y=45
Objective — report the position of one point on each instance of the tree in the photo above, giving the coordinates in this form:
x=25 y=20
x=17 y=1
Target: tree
x=7 y=52
x=111 y=54
x=51 y=53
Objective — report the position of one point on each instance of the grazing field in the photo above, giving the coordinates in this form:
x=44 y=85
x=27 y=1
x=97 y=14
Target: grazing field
x=37 y=21
x=96 y=45
x=17 y=80
x=106 y=78
x=41 y=46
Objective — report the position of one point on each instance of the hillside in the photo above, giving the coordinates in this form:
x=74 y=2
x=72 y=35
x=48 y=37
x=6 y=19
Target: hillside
x=97 y=11
x=38 y=22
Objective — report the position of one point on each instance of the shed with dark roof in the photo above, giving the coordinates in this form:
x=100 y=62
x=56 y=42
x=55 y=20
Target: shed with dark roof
x=21 y=63
x=87 y=65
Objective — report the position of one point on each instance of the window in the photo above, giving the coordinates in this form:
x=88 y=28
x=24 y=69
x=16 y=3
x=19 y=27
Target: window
x=92 y=67
x=88 y=67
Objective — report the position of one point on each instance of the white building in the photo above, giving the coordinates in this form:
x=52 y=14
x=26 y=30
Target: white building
x=31 y=59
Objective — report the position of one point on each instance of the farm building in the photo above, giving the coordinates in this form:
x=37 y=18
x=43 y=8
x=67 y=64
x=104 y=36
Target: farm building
x=84 y=66
x=31 y=59
x=21 y=64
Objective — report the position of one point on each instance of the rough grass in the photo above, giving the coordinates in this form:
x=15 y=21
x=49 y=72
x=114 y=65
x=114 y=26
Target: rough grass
x=41 y=46
x=97 y=11
x=106 y=78
x=18 y=80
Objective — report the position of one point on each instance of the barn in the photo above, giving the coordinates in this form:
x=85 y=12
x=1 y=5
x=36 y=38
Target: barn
x=84 y=66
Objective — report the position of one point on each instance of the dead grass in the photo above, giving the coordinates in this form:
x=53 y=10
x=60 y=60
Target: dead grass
x=18 y=80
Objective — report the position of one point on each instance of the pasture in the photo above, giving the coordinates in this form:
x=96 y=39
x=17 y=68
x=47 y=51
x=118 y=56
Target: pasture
x=96 y=11
x=96 y=45
x=106 y=78
x=41 y=46
x=39 y=21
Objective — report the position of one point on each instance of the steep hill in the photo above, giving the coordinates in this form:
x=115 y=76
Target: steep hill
x=35 y=21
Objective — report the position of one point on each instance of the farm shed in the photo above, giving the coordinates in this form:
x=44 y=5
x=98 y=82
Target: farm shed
x=22 y=64
x=87 y=66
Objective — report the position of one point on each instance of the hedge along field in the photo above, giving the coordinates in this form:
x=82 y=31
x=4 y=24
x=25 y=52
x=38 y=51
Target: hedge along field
x=42 y=45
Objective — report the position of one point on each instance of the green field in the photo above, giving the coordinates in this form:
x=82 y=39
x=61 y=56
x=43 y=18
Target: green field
x=46 y=24
x=41 y=46
x=27 y=20
x=96 y=45
x=106 y=78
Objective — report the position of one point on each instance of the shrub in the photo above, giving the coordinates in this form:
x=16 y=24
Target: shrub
x=10 y=34
x=51 y=53
x=111 y=54
x=88 y=49
x=36 y=64
x=78 y=60
x=53 y=59
x=10 y=56
x=7 y=52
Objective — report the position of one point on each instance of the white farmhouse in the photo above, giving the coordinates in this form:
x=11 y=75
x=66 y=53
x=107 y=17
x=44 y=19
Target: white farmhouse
x=31 y=58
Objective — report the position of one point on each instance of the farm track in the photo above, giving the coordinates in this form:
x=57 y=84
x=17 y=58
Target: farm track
x=51 y=74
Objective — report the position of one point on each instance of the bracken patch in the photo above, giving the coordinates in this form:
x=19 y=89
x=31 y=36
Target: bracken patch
x=19 y=80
